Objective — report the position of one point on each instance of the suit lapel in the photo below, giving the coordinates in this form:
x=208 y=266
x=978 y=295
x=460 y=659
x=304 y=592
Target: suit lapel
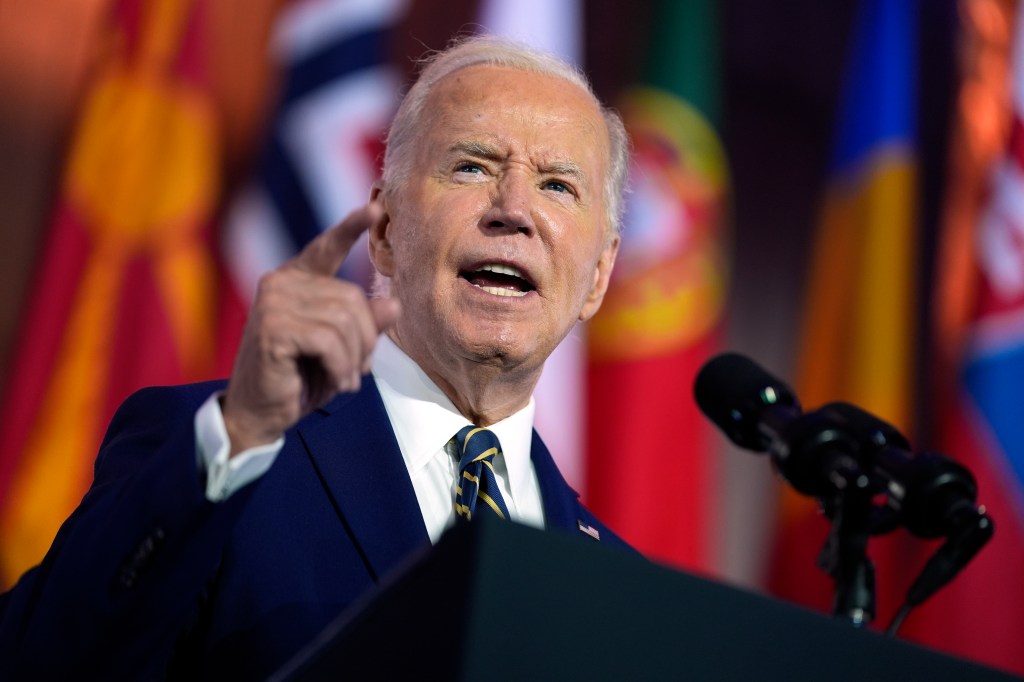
x=561 y=505
x=353 y=447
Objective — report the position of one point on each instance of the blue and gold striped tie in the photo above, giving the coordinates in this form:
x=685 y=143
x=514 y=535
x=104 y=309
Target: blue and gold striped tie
x=477 y=449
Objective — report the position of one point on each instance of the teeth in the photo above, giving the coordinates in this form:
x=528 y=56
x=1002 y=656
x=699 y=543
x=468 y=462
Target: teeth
x=503 y=270
x=499 y=269
x=498 y=291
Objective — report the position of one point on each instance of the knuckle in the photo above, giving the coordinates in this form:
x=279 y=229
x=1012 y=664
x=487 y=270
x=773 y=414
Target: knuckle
x=342 y=316
x=323 y=340
x=269 y=282
x=271 y=320
x=272 y=348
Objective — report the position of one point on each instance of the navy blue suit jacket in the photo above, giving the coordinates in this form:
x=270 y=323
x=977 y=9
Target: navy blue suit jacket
x=149 y=579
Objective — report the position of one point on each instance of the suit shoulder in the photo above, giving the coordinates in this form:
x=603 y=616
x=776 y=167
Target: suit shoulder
x=149 y=414
x=189 y=394
x=164 y=402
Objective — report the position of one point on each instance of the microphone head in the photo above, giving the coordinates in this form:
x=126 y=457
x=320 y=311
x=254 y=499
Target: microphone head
x=733 y=391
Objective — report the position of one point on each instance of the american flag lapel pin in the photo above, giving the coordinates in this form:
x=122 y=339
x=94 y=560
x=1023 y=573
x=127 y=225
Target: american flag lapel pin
x=589 y=530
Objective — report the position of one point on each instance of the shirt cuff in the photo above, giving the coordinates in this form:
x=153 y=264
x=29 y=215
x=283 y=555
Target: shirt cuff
x=226 y=475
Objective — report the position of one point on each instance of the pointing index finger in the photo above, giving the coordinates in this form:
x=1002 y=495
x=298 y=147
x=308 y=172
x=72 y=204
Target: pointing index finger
x=325 y=254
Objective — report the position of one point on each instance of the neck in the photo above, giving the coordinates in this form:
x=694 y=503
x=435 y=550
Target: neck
x=483 y=392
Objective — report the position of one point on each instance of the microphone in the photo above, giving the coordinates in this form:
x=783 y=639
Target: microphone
x=759 y=412
x=840 y=449
x=929 y=491
x=736 y=394
x=930 y=494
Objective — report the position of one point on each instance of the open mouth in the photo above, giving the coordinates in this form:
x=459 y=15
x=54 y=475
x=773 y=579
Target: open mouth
x=500 y=280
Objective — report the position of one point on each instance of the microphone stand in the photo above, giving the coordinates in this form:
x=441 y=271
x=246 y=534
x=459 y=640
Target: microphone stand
x=844 y=555
x=819 y=456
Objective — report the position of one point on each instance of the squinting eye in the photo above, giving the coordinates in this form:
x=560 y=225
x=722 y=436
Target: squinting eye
x=468 y=168
x=556 y=186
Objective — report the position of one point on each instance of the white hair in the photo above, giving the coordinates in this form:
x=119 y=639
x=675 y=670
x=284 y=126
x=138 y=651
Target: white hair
x=406 y=126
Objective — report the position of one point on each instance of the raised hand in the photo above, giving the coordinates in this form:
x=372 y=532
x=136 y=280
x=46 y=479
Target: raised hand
x=308 y=337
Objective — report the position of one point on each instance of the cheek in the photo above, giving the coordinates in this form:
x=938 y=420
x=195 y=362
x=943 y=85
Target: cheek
x=420 y=270
x=412 y=242
x=586 y=269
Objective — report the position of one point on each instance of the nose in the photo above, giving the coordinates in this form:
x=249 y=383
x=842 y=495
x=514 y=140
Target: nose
x=511 y=207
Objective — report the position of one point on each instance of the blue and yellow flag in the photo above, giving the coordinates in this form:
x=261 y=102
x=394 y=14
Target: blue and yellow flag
x=857 y=338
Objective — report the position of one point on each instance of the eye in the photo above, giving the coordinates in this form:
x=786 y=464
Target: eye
x=468 y=167
x=556 y=186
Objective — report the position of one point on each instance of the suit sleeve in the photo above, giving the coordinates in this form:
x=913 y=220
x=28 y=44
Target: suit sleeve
x=124 y=578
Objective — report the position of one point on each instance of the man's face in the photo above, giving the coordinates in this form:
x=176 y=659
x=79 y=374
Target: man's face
x=498 y=242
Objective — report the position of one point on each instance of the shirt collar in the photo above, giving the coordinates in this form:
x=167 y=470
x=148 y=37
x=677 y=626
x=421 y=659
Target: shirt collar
x=424 y=419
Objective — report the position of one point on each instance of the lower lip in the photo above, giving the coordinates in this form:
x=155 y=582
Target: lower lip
x=497 y=297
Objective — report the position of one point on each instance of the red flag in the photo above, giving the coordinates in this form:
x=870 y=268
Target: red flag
x=128 y=291
x=980 y=330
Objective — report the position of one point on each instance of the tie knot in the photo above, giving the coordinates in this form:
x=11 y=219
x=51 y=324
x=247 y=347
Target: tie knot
x=476 y=483
x=476 y=444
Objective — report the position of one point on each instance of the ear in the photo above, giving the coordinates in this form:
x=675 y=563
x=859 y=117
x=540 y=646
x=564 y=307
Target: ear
x=602 y=275
x=379 y=235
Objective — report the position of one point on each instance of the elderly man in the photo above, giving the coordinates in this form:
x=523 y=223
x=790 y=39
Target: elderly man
x=228 y=526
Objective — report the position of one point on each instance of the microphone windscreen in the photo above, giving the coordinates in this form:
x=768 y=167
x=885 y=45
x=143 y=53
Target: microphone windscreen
x=733 y=391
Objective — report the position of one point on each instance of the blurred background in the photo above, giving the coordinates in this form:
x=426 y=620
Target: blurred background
x=833 y=189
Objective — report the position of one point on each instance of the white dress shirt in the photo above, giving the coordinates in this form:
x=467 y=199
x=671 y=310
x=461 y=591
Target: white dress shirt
x=424 y=421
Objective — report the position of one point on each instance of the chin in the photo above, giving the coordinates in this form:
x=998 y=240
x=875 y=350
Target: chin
x=500 y=351
x=504 y=343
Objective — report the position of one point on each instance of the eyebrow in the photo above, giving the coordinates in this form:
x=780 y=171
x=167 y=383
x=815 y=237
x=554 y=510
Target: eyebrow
x=565 y=168
x=476 y=148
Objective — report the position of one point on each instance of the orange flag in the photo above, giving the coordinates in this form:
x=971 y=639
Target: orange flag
x=128 y=291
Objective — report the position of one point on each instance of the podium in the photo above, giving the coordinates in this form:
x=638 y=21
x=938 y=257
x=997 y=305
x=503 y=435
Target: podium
x=495 y=600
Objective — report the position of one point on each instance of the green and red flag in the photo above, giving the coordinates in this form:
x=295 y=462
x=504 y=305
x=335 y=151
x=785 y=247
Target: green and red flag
x=650 y=454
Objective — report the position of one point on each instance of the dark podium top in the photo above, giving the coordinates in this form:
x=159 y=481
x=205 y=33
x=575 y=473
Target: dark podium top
x=497 y=600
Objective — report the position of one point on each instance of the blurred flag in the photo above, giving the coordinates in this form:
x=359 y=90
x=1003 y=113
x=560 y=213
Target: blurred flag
x=980 y=314
x=326 y=140
x=858 y=327
x=128 y=291
x=651 y=473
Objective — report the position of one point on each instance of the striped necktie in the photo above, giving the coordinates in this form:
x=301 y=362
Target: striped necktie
x=477 y=449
